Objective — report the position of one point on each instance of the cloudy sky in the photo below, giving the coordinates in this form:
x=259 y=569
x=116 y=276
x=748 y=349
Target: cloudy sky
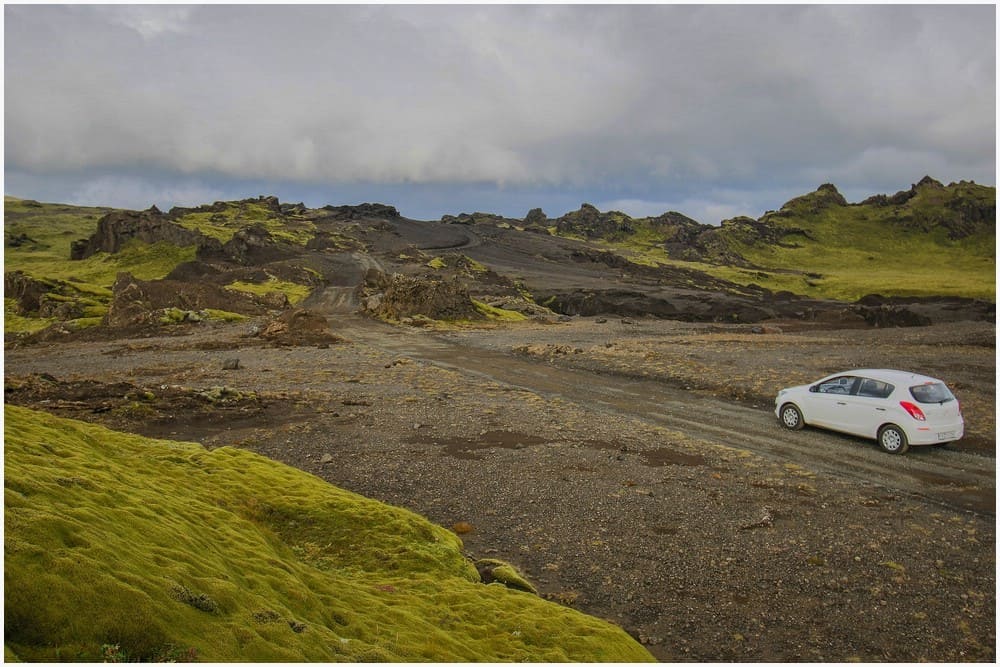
x=709 y=110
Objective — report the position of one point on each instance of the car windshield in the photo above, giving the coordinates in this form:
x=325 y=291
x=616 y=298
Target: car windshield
x=931 y=392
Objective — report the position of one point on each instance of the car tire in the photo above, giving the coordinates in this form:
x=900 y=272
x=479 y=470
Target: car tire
x=892 y=439
x=791 y=417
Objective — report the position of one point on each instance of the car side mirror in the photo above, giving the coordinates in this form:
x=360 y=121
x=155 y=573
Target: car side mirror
x=814 y=389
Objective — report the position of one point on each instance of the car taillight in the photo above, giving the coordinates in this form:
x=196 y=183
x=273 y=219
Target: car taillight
x=913 y=411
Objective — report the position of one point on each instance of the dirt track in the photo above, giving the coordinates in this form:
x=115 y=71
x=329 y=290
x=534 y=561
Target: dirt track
x=691 y=519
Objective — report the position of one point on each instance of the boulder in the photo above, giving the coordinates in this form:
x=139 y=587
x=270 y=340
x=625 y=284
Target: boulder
x=299 y=326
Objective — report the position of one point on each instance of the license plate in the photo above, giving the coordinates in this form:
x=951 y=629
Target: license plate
x=947 y=435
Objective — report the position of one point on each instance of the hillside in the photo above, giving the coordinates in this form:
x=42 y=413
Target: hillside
x=75 y=269
x=930 y=240
x=122 y=548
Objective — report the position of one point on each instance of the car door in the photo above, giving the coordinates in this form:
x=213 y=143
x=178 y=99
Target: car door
x=827 y=405
x=866 y=407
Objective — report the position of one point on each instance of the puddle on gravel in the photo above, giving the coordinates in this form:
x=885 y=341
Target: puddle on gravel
x=469 y=448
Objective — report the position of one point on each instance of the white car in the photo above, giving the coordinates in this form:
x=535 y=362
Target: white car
x=896 y=408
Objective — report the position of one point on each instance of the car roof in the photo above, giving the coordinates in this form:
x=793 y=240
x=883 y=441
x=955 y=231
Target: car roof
x=891 y=376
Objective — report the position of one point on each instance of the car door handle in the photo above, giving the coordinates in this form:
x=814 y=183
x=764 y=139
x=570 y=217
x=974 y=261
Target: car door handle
x=841 y=403
x=880 y=409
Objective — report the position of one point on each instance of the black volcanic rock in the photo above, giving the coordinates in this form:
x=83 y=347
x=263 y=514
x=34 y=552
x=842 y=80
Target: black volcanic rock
x=591 y=223
x=477 y=218
x=255 y=245
x=536 y=216
x=364 y=211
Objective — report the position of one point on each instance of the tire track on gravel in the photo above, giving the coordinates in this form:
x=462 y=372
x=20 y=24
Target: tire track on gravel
x=953 y=479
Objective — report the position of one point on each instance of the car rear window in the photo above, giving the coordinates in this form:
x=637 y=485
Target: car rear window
x=932 y=392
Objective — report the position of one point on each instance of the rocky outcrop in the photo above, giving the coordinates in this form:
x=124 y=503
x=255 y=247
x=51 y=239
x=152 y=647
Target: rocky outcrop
x=477 y=218
x=962 y=208
x=27 y=291
x=138 y=303
x=299 y=326
x=591 y=223
x=536 y=216
x=116 y=229
x=404 y=296
x=747 y=230
x=364 y=211
x=269 y=202
x=824 y=197
x=253 y=245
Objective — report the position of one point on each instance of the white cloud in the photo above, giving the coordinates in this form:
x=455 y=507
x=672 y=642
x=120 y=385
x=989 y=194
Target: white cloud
x=148 y=20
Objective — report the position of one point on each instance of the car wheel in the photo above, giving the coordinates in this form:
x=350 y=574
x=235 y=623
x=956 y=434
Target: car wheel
x=791 y=417
x=892 y=439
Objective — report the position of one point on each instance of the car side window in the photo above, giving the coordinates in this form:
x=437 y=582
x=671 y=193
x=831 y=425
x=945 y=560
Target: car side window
x=874 y=388
x=837 y=385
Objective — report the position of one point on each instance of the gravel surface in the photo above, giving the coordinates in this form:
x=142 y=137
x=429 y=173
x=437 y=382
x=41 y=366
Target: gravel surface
x=630 y=470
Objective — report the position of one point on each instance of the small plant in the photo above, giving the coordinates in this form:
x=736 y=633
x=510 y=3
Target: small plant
x=113 y=653
x=171 y=653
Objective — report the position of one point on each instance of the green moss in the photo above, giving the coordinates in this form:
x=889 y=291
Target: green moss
x=860 y=250
x=18 y=324
x=476 y=267
x=294 y=291
x=84 y=322
x=498 y=314
x=224 y=315
x=223 y=224
x=437 y=263
x=122 y=547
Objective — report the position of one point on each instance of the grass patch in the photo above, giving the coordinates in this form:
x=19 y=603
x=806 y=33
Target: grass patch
x=127 y=548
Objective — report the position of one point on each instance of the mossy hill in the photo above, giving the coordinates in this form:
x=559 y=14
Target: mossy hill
x=122 y=548
x=930 y=240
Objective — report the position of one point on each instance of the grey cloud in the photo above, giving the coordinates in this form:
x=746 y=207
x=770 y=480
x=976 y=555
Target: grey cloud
x=648 y=101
